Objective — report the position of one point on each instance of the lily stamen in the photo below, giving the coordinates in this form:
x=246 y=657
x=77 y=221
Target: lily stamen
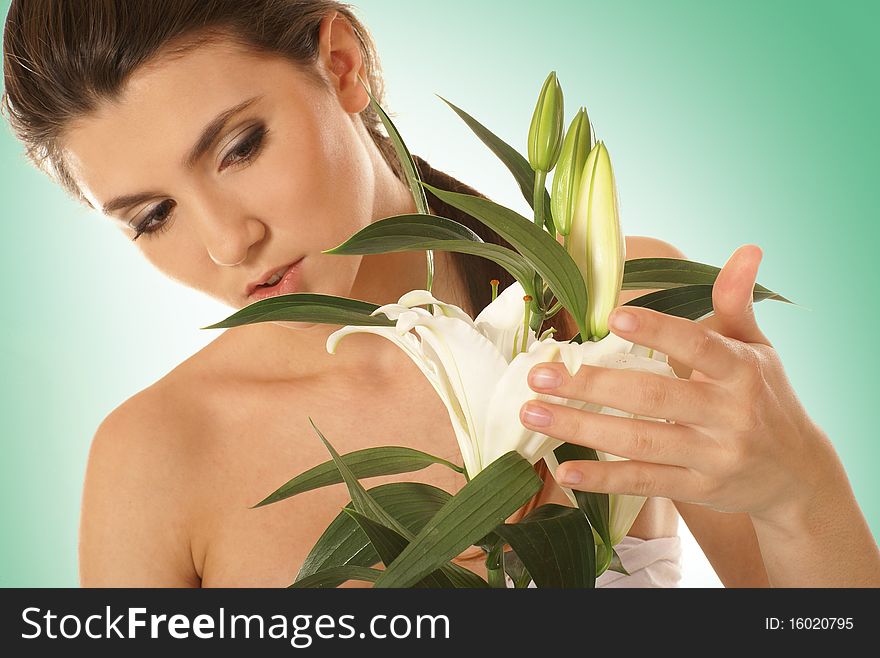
x=494 y=283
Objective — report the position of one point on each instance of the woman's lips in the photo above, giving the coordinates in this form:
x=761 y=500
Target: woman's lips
x=288 y=284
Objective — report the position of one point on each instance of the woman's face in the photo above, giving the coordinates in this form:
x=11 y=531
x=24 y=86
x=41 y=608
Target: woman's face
x=285 y=177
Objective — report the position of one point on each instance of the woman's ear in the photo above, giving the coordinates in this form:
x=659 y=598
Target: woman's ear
x=342 y=59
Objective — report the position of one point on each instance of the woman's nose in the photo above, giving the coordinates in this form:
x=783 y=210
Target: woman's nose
x=228 y=233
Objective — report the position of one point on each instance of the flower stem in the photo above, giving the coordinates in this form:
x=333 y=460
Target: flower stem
x=553 y=310
x=540 y=189
x=538 y=206
x=429 y=284
x=495 y=566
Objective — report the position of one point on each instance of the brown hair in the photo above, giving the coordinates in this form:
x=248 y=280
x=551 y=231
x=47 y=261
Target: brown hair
x=60 y=59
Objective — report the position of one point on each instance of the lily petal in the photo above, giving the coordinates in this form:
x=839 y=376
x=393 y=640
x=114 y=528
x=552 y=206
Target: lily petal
x=423 y=297
x=552 y=465
x=470 y=364
x=394 y=311
x=504 y=430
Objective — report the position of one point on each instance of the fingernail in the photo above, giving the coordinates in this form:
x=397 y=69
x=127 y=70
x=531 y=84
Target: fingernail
x=537 y=416
x=623 y=321
x=571 y=476
x=545 y=378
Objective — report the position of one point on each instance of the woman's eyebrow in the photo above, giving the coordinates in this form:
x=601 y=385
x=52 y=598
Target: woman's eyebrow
x=202 y=145
x=212 y=130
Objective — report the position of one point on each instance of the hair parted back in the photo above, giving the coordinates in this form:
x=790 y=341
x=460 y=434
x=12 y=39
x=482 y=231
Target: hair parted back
x=62 y=59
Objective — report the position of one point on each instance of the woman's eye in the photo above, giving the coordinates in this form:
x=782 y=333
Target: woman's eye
x=156 y=215
x=247 y=149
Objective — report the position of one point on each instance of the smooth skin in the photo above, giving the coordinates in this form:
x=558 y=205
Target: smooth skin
x=738 y=440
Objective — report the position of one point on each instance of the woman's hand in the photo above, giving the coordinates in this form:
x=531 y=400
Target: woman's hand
x=739 y=439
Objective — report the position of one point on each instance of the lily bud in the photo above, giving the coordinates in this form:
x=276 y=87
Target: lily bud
x=596 y=242
x=545 y=133
x=569 y=171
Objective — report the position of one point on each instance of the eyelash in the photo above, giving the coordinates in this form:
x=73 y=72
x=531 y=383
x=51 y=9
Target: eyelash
x=251 y=146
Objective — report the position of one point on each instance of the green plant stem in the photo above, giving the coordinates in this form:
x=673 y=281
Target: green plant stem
x=537 y=321
x=538 y=307
x=540 y=189
x=429 y=286
x=495 y=566
x=553 y=310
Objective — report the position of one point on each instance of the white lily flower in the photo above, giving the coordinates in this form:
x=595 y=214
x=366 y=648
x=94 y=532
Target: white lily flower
x=478 y=373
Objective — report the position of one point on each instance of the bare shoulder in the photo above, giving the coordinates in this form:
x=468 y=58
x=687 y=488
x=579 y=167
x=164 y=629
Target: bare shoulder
x=134 y=523
x=638 y=246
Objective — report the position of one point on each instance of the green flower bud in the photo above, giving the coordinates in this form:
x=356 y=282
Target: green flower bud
x=596 y=242
x=569 y=171
x=545 y=133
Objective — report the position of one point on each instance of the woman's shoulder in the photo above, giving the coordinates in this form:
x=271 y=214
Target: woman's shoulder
x=135 y=519
x=639 y=246
x=166 y=422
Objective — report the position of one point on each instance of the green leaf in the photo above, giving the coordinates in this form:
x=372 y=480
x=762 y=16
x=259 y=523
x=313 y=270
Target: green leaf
x=555 y=543
x=417 y=232
x=487 y=500
x=691 y=302
x=616 y=564
x=392 y=233
x=409 y=170
x=364 y=503
x=517 y=164
x=511 y=261
x=366 y=463
x=463 y=578
x=403 y=154
x=335 y=576
x=389 y=544
x=664 y=273
x=595 y=505
x=343 y=542
x=538 y=247
x=306 y=307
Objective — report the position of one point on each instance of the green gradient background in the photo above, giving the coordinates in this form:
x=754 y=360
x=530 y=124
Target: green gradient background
x=751 y=122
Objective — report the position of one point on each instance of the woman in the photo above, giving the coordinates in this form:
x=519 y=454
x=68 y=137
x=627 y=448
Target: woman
x=119 y=106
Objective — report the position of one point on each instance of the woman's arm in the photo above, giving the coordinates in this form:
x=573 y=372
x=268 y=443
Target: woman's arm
x=729 y=542
x=825 y=530
x=133 y=523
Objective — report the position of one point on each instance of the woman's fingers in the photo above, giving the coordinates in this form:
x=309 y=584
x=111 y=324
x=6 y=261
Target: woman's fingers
x=732 y=296
x=642 y=440
x=683 y=340
x=633 y=391
x=632 y=477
